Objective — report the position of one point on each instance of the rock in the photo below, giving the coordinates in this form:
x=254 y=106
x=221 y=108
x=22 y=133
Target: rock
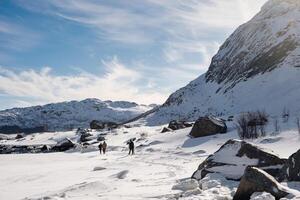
x=95 y=124
x=176 y=125
x=19 y=136
x=291 y=169
x=99 y=168
x=257 y=180
x=234 y=156
x=85 y=137
x=64 y=145
x=165 y=130
x=45 y=148
x=206 y=126
x=100 y=138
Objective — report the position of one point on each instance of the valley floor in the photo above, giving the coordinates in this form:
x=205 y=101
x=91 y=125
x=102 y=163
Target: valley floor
x=161 y=161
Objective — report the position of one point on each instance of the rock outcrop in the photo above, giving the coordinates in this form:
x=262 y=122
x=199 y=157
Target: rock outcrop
x=291 y=170
x=206 y=126
x=234 y=156
x=257 y=180
x=64 y=145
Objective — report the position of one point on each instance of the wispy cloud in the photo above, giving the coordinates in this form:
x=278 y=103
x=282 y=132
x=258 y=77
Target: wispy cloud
x=15 y=38
x=186 y=32
x=118 y=83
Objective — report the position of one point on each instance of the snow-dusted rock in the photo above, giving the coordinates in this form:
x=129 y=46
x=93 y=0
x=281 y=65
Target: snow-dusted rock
x=257 y=180
x=234 y=156
x=206 y=126
x=176 y=125
x=186 y=185
x=64 y=145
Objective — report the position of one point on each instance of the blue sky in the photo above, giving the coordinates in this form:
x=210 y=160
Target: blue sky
x=58 y=50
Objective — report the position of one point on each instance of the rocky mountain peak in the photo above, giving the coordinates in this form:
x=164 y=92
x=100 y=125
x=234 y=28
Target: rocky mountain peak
x=268 y=41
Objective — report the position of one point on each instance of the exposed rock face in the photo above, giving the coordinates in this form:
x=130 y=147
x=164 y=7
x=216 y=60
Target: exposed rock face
x=257 y=180
x=291 y=170
x=234 y=156
x=206 y=126
x=257 y=46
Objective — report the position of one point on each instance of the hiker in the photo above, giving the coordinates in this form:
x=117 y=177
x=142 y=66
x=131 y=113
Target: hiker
x=131 y=147
x=100 y=146
x=104 y=146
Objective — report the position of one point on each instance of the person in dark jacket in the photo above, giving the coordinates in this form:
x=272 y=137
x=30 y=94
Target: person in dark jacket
x=100 y=146
x=131 y=147
x=104 y=146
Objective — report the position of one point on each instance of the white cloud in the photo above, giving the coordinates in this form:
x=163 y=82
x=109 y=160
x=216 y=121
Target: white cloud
x=118 y=83
x=188 y=32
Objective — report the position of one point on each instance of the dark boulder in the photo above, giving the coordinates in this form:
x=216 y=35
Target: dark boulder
x=291 y=170
x=257 y=180
x=45 y=148
x=206 y=126
x=64 y=145
x=165 y=130
x=234 y=156
x=19 y=136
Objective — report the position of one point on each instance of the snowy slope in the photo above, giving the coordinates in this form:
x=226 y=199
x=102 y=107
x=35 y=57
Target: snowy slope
x=69 y=115
x=257 y=67
x=160 y=169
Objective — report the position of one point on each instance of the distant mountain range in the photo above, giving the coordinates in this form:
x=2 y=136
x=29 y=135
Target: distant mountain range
x=68 y=115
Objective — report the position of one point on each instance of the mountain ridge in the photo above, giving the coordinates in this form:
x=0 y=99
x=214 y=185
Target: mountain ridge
x=257 y=67
x=69 y=115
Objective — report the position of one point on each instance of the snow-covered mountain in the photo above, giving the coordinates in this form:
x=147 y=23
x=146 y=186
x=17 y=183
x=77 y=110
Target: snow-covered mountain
x=69 y=115
x=258 y=67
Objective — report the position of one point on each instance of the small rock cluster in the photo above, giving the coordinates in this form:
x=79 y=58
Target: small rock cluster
x=176 y=125
x=258 y=170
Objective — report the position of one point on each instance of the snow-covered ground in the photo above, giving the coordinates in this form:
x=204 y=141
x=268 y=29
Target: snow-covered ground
x=160 y=169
